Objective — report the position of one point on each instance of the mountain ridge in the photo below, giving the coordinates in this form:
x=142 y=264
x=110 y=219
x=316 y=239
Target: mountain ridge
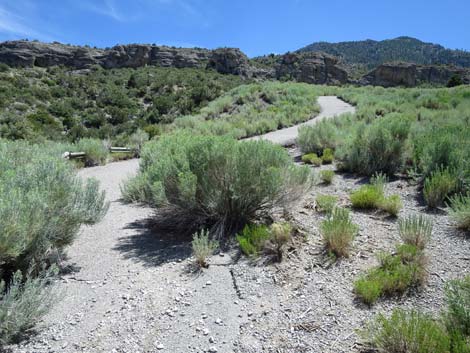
x=372 y=53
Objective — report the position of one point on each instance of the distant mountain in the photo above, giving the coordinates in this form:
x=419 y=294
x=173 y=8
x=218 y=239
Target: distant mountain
x=371 y=53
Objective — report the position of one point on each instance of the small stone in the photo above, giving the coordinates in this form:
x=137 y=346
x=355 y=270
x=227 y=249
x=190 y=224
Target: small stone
x=212 y=349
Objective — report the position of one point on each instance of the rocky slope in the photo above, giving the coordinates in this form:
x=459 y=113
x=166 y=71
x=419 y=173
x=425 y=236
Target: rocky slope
x=307 y=66
x=411 y=75
x=312 y=68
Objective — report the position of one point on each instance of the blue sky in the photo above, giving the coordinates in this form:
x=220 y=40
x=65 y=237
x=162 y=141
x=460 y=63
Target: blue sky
x=256 y=26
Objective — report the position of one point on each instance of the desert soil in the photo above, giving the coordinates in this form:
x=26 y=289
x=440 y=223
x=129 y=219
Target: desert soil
x=129 y=287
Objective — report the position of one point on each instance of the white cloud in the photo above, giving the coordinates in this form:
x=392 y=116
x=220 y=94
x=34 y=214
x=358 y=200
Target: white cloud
x=108 y=8
x=15 y=25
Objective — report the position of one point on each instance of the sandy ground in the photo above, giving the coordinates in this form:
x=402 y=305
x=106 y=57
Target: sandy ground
x=130 y=288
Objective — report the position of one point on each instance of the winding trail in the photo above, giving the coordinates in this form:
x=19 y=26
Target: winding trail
x=128 y=289
x=331 y=106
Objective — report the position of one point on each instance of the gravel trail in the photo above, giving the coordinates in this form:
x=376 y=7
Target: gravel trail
x=330 y=106
x=128 y=288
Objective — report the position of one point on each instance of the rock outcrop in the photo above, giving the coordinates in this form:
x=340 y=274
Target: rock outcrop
x=28 y=54
x=309 y=67
x=313 y=67
x=411 y=75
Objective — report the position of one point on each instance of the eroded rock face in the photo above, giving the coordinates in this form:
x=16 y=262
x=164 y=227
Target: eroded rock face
x=310 y=67
x=411 y=75
x=28 y=54
x=229 y=61
x=313 y=67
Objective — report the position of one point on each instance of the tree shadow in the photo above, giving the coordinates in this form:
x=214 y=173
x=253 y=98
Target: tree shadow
x=154 y=245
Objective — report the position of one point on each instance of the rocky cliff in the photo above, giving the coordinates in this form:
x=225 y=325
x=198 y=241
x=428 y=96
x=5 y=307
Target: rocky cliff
x=313 y=67
x=310 y=67
x=411 y=75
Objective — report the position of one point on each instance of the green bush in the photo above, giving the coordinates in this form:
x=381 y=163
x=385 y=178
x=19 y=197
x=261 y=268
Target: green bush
x=338 y=232
x=460 y=210
x=457 y=316
x=327 y=176
x=366 y=197
x=372 y=196
x=312 y=158
x=42 y=205
x=438 y=186
x=395 y=274
x=203 y=247
x=253 y=238
x=96 y=152
x=318 y=137
x=23 y=303
x=415 y=230
x=391 y=204
x=257 y=239
x=327 y=156
x=216 y=182
x=326 y=203
x=378 y=147
x=408 y=332
x=280 y=235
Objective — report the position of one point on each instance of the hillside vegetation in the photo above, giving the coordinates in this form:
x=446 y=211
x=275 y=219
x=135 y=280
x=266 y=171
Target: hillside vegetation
x=422 y=132
x=371 y=53
x=255 y=109
x=58 y=104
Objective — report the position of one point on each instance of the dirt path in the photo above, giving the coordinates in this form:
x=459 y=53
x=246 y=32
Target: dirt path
x=330 y=106
x=129 y=290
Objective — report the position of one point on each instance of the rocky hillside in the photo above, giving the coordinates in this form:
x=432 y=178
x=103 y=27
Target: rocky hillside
x=311 y=68
x=353 y=65
x=371 y=53
x=412 y=75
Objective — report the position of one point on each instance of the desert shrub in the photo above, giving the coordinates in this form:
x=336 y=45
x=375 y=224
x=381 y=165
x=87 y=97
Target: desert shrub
x=460 y=210
x=457 y=315
x=338 y=232
x=96 y=151
x=316 y=138
x=326 y=203
x=257 y=108
x=280 y=235
x=391 y=204
x=203 y=247
x=327 y=176
x=137 y=140
x=377 y=148
x=395 y=274
x=372 y=196
x=454 y=81
x=438 y=186
x=312 y=158
x=366 y=197
x=42 y=205
x=327 y=156
x=253 y=238
x=23 y=302
x=408 y=332
x=215 y=182
x=415 y=230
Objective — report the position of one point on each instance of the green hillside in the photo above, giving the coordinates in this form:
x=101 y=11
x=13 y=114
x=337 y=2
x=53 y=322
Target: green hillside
x=371 y=53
